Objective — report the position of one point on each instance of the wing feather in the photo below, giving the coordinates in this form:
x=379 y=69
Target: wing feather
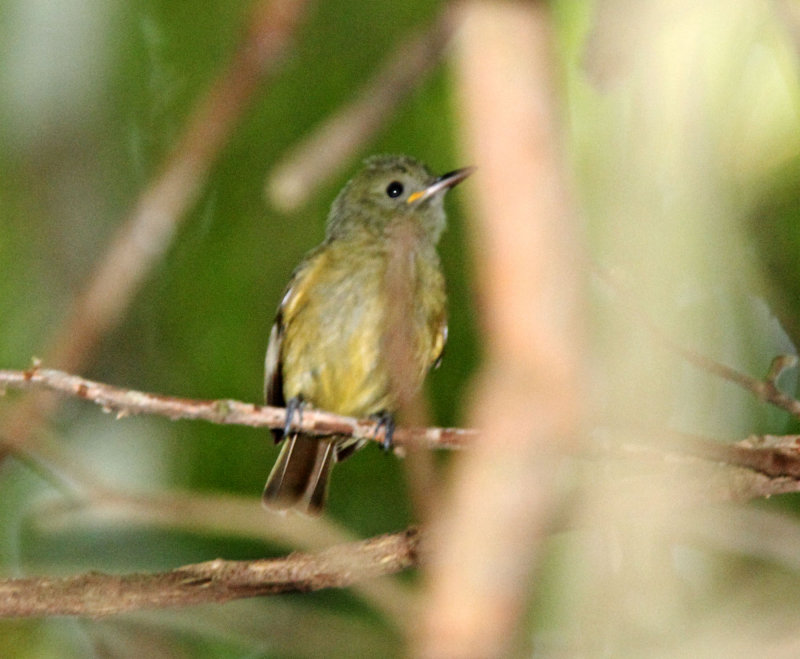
x=273 y=362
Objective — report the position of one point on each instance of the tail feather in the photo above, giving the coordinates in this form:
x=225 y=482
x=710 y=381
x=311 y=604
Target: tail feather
x=300 y=476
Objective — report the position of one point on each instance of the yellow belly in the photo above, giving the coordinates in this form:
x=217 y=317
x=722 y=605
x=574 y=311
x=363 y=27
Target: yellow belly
x=334 y=353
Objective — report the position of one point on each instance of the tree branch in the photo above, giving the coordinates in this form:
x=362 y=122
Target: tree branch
x=773 y=456
x=215 y=515
x=128 y=402
x=756 y=467
x=95 y=594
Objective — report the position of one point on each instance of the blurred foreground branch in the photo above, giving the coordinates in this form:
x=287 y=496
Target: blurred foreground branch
x=527 y=399
x=146 y=234
x=95 y=594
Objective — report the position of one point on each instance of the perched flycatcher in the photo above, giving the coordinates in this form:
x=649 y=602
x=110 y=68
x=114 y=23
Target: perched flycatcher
x=334 y=343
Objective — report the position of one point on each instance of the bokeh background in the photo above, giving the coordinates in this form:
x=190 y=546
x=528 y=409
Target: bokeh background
x=681 y=134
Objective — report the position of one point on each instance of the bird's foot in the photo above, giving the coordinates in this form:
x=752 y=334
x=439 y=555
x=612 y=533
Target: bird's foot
x=294 y=407
x=384 y=420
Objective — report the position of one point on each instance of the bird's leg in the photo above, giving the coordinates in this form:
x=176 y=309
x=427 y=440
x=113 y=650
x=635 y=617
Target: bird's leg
x=384 y=420
x=293 y=406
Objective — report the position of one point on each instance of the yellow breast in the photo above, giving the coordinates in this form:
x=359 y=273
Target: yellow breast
x=335 y=318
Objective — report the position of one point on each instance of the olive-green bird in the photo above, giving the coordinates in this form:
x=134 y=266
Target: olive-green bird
x=330 y=345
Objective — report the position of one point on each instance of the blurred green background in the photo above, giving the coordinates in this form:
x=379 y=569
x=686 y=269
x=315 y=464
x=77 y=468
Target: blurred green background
x=93 y=96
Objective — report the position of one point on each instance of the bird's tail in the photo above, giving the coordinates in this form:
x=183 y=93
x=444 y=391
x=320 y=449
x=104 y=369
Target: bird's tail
x=300 y=476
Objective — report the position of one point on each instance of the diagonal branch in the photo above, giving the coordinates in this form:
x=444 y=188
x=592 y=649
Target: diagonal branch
x=147 y=233
x=318 y=156
x=765 y=389
x=95 y=594
x=142 y=239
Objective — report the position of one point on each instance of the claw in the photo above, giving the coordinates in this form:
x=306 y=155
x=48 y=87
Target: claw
x=384 y=420
x=294 y=406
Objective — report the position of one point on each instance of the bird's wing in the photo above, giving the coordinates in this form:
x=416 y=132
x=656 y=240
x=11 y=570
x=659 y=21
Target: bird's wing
x=292 y=300
x=273 y=364
x=439 y=342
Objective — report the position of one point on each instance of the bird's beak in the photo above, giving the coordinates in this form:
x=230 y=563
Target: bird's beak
x=442 y=183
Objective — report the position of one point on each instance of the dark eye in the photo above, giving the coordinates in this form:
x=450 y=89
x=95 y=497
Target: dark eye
x=394 y=189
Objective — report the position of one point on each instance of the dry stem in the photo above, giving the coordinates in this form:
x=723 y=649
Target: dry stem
x=95 y=594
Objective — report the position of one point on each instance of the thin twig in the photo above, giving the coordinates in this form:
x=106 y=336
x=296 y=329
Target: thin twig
x=329 y=146
x=765 y=389
x=772 y=455
x=127 y=402
x=684 y=472
x=398 y=342
x=95 y=594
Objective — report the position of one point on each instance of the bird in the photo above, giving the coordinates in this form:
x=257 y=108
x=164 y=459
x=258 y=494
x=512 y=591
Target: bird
x=361 y=322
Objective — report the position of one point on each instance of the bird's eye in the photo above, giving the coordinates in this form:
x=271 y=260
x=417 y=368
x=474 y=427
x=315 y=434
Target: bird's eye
x=394 y=189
